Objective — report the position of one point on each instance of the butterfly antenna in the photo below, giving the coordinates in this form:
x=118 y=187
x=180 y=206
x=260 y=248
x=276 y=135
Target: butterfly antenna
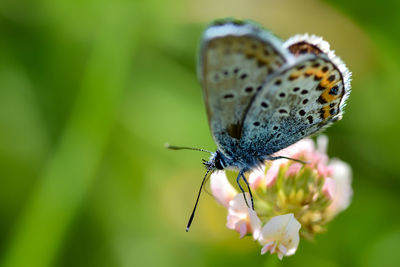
x=197 y=201
x=187 y=148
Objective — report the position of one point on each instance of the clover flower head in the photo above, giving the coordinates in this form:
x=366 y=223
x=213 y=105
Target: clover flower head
x=291 y=199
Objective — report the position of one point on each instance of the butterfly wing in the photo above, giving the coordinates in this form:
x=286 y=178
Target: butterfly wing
x=301 y=99
x=236 y=59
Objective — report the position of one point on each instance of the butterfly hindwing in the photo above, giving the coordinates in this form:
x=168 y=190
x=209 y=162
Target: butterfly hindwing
x=302 y=44
x=300 y=100
x=236 y=59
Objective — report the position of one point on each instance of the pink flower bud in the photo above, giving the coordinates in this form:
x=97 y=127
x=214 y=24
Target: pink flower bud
x=341 y=192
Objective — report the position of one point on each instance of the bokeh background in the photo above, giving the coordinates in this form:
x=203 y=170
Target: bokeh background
x=91 y=90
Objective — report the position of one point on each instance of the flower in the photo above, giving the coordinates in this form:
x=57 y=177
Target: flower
x=241 y=218
x=256 y=178
x=339 y=187
x=291 y=199
x=280 y=235
x=221 y=189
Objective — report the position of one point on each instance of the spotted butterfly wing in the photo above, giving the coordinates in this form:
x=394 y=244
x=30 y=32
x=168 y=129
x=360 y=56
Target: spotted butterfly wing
x=236 y=60
x=302 y=98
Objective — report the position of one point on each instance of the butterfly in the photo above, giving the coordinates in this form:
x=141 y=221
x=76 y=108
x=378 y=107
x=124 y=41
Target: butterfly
x=263 y=95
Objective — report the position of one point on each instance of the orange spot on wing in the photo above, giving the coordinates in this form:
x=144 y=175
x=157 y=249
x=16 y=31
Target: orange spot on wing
x=328 y=97
x=326 y=113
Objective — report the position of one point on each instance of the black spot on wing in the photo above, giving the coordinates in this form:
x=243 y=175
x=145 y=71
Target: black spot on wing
x=334 y=90
x=235 y=130
x=243 y=76
x=248 y=89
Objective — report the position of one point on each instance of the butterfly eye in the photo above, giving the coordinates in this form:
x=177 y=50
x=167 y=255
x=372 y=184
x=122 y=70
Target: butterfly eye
x=218 y=165
x=219 y=162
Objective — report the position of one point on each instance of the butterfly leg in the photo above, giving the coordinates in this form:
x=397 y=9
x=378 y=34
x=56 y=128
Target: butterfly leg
x=248 y=187
x=241 y=175
x=283 y=157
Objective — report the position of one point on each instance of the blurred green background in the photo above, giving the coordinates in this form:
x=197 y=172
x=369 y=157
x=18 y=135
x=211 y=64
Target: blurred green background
x=91 y=90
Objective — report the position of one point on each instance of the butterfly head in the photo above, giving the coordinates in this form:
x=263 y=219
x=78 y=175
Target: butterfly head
x=217 y=161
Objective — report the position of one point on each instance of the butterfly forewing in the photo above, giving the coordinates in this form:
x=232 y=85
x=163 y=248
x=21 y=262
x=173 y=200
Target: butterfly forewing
x=236 y=60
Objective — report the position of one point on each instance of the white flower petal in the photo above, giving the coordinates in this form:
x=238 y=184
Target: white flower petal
x=273 y=171
x=231 y=221
x=273 y=248
x=275 y=227
x=282 y=230
x=238 y=203
x=342 y=175
x=257 y=177
x=255 y=224
x=221 y=188
x=304 y=145
x=266 y=247
x=329 y=188
x=282 y=249
x=242 y=227
x=322 y=144
x=292 y=238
